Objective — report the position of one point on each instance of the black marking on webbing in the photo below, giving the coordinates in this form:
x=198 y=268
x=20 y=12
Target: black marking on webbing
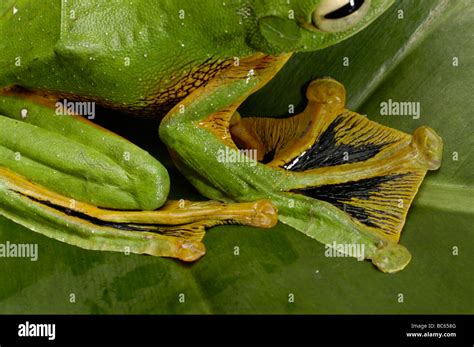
x=268 y=157
x=340 y=194
x=325 y=152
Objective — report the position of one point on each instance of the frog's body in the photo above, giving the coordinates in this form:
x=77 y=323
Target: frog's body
x=141 y=56
x=194 y=62
x=144 y=56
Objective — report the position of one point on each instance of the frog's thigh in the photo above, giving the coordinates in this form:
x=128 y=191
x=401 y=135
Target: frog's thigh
x=73 y=157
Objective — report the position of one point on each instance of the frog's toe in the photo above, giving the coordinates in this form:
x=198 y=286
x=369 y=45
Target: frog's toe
x=327 y=91
x=430 y=147
x=391 y=258
x=190 y=251
x=266 y=214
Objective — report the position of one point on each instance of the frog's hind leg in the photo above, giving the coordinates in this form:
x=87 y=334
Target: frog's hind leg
x=56 y=170
x=333 y=174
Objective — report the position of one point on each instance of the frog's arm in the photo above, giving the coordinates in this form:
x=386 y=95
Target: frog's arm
x=53 y=184
x=334 y=175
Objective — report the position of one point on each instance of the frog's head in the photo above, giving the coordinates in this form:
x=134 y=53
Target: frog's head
x=279 y=26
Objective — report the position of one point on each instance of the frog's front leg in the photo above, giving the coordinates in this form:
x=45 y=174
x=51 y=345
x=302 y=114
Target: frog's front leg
x=333 y=174
x=78 y=183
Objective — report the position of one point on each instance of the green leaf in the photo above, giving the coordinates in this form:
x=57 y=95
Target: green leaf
x=403 y=59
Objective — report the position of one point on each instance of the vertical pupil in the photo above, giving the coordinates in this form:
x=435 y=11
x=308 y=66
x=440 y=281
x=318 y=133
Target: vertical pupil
x=344 y=11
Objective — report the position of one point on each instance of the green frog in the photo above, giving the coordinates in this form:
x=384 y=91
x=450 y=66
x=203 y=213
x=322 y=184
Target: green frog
x=328 y=172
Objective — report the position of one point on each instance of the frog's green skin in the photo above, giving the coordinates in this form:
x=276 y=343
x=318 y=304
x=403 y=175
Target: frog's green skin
x=130 y=52
x=186 y=59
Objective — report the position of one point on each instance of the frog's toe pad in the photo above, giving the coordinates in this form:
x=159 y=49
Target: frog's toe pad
x=190 y=251
x=391 y=258
x=430 y=147
x=266 y=214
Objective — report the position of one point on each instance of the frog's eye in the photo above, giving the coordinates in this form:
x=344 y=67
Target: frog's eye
x=339 y=15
